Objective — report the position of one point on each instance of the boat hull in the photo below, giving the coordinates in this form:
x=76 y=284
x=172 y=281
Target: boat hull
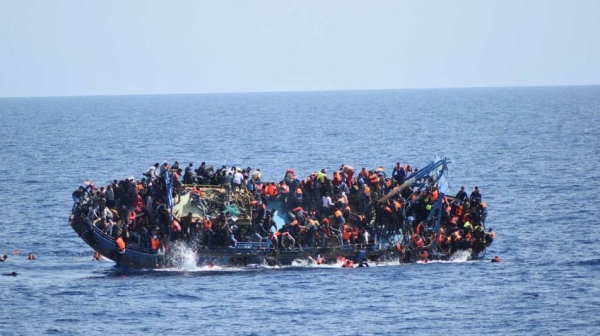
x=244 y=254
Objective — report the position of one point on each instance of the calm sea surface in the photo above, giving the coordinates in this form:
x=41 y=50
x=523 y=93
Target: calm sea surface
x=534 y=153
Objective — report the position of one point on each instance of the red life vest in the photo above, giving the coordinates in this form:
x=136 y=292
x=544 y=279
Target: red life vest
x=346 y=232
x=175 y=226
x=373 y=178
x=418 y=241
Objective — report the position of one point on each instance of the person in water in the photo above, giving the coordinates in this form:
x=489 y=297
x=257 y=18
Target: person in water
x=4 y=258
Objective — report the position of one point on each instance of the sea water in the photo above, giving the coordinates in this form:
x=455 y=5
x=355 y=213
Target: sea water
x=534 y=153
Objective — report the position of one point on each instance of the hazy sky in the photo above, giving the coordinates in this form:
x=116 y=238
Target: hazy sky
x=57 y=48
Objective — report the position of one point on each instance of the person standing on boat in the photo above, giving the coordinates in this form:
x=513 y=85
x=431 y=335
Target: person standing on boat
x=460 y=196
x=231 y=229
x=475 y=195
x=110 y=196
x=77 y=197
x=238 y=178
x=399 y=174
x=327 y=204
x=226 y=183
x=348 y=172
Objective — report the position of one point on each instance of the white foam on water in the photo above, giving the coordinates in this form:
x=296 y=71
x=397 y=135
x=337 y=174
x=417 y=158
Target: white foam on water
x=460 y=256
x=183 y=257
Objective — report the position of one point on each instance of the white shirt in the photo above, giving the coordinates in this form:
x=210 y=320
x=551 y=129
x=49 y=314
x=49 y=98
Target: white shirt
x=326 y=201
x=237 y=178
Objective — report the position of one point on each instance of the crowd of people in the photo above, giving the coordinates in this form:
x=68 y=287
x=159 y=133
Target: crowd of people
x=324 y=209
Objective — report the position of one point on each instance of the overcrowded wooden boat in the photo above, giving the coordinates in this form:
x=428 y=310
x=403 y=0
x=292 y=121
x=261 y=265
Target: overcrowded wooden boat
x=231 y=217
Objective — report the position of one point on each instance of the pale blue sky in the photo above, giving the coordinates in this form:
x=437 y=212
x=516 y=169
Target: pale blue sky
x=57 y=48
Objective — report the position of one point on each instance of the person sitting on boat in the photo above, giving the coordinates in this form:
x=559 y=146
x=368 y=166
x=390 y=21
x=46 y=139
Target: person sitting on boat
x=151 y=173
x=256 y=176
x=189 y=176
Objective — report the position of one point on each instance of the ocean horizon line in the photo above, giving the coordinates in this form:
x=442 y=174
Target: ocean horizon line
x=302 y=91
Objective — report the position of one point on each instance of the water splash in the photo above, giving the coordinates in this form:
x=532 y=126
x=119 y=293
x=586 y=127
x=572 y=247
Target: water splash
x=460 y=256
x=183 y=257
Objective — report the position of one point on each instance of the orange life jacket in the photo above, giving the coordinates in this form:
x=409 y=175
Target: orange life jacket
x=434 y=195
x=120 y=244
x=272 y=190
x=339 y=217
x=207 y=225
x=336 y=177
